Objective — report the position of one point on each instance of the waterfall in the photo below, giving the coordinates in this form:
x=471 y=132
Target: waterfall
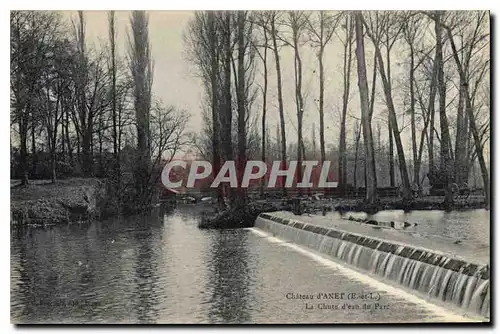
x=450 y=280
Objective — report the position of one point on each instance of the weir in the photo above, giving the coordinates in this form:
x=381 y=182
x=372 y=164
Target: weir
x=444 y=278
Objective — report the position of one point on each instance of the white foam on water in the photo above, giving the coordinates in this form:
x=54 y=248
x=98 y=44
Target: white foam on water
x=446 y=315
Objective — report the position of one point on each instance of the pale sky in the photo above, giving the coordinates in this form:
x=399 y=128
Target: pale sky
x=176 y=81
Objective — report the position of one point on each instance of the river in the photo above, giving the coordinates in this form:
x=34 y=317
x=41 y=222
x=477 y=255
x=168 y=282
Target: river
x=163 y=269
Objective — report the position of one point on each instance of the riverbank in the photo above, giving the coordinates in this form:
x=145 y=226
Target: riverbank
x=43 y=203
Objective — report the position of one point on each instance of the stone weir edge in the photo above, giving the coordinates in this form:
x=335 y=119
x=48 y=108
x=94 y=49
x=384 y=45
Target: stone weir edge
x=407 y=251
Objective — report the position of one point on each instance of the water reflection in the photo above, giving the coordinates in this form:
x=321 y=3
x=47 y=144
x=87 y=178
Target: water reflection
x=136 y=270
x=229 y=279
x=146 y=274
x=160 y=269
x=471 y=226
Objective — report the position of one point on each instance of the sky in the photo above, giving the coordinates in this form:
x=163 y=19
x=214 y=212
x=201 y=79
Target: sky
x=176 y=81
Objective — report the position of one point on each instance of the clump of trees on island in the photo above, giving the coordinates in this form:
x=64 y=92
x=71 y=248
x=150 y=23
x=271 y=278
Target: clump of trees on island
x=442 y=68
x=81 y=110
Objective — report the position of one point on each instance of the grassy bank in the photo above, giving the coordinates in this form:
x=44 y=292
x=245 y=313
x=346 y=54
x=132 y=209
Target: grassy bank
x=43 y=203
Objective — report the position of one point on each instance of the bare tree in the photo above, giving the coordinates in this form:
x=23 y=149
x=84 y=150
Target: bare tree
x=204 y=43
x=384 y=21
x=477 y=37
x=244 y=80
x=274 y=16
x=31 y=36
x=321 y=28
x=55 y=78
x=141 y=69
x=262 y=20
x=446 y=167
x=114 y=97
x=371 y=190
x=348 y=27
x=297 y=22
x=410 y=31
x=226 y=111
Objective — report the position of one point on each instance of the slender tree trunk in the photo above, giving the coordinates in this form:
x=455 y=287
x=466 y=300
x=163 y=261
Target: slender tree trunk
x=112 y=40
x=372 y=107
x=264 y=108
x=85 y=132
x=371 y=191
x=345 y=99
x=63 y=145
x=432 y=114
x=23 y=158
x=416 y=178
x=68 y=142
x=280 y=96
x=33 y=145
x=356 y=151
x=460 y=141
x=321 y=105
x=214 y=68
x=86 y=152
x=392 y=178
x=226 y=122
x=447 y=166
x=242 y=140
x=299 y=105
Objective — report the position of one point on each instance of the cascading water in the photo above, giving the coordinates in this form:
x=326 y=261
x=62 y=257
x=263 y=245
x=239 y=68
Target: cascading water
x=450 y=280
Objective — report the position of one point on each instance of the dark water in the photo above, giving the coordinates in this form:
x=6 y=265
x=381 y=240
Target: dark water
x=159 y=269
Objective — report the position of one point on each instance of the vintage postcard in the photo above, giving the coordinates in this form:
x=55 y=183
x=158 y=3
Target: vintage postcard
x=250 y=167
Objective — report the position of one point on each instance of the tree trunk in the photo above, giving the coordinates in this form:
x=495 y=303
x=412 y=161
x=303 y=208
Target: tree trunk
x=264 y=109
x=68 y=142
x=112 y=38
x=416 y=178
x=23 y=158
x=214 y=68
x=321 y=105
x=447 y=166
x=371 y=191
x=372 y=107
x=392 y=178
x=242 y=140
x=461 y=141
x=86 y=153
x=142 y=77
x=299 y=104
x=356 y=151
x=345 y=98
x=33 y=145
x=280 y=97
x=226 y=121
x=432 y=114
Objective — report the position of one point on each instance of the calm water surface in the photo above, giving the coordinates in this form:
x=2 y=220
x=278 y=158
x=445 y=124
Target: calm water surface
x=471 y=226
x=165 y=270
